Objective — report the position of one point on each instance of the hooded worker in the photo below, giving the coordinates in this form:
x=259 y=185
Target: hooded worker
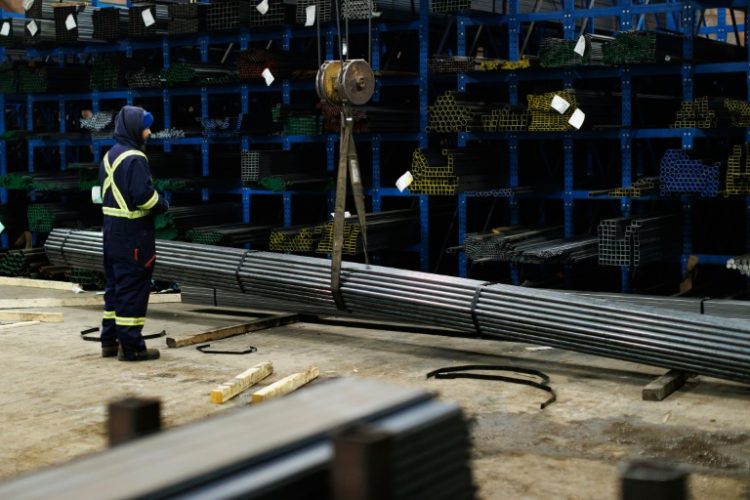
x=129 y=203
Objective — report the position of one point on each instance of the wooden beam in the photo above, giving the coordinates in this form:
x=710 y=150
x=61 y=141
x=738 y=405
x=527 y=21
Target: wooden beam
x=663 y=386
x=47 y=317
x=48 y=284
x=286 y=385
x=231 y=331
x=16 y=325
x=242 y=382
x=90 y=300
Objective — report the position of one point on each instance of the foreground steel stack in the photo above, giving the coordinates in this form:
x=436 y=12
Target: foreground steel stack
x=741 y=263
x=690 y=342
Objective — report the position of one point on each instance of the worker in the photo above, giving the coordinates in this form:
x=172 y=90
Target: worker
x=129 y=203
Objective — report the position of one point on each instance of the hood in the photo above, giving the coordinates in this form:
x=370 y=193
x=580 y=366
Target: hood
x=129 y=126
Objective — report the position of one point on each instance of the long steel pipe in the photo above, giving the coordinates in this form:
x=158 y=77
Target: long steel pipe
x=707 y=345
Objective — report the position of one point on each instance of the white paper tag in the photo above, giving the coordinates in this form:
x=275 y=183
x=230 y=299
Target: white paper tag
x=28 y=4
x=5 y=30
x=70 y=22
x=2 y=228
x=32 y=27
x=310 y=15
x=347 y=214
x=404 y=181
x=559 y=104
x=344 y=48
x=580 y=47
x=577 y=118
x=148 y=18
x=268 y=76
x=96 y=195
x=262 y=7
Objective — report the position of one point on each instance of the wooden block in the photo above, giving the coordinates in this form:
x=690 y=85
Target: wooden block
x=48 y=284
x=242 y=382
x=89 y=300
x=47 y=317
x=19 y=324
x=286 y=385
x=663 y=386
x=231 y=331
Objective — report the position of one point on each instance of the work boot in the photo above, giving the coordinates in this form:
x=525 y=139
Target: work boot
x=110 y=351
x=144 y=355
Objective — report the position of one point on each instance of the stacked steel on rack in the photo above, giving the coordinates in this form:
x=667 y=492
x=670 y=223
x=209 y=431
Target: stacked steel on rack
x=371 y=119
x=252 y=63
x=70 y=180
x=389 y=230
x=464 y=64
x=101 y=124
x=8 y=78
x=168 y=134
x=229 y=126
x=450 y=171
x=738 y=171
x=181 y=219
x=39 y=31
x=297 y=120
x=680 y=174
x=739 y=112
x=23 y=262
x=704 y=112
x=280 y=170
x=270 y=14
x=358 y=9
x=506 y=119
x=66 y=21
x=109 y=23
x=106 y=74
x=558 y=52
x=186 y=18
x=641 y=187
x=231 y=235
x=322 y=13
x=143 y=78
x=630 y=47
x=740 y=263
x=200 y=74
x=634 y=241
x=530 y=246
x=147 y=19
x=223 y=15
x=34 y=77
x=454 y=112
x=43 y=217
x=694 y=343
x=453 y=6
x=295 y=239
x=544 y=118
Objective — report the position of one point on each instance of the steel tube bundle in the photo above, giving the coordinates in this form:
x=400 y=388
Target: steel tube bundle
x=694 y=343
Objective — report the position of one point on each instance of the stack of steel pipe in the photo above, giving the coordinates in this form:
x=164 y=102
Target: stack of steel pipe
x=453 y=170
x=180 y=219
x=682 y=341
x=302 y=238
x=681 y=174
x=232 y=235
x=389 y=230
x=454 y=112
x=109 y=23
x=738 y=171
x=741 y=263
x=22 y=262
x=630 y=241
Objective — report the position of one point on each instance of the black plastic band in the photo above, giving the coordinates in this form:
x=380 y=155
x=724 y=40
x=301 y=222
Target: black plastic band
x=237 y=272
x=703 y=304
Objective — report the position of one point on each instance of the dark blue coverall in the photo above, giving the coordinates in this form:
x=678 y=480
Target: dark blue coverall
x=129 y=204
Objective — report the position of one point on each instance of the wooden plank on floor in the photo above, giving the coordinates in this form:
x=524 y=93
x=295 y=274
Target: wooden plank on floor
x=31 y=283
x=47 y=317
x=19 y=324
x=231 y=331
x=286 y=385
x=242 y=382
x=88 y=300
x=663 y=386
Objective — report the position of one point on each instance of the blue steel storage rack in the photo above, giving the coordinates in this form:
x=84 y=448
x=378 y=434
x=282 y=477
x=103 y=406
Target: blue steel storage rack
x=679 y=15
x=242 y=38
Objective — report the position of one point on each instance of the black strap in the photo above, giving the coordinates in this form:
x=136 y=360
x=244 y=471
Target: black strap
x=204 y=349
x=237 y=272
x=85 y=335
x=474 y=302
x=703 y=304
x=452 y=372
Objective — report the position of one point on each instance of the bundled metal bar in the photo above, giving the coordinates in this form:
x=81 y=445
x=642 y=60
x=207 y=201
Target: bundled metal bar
x=627 y=241
x=530 y=246
x=680 y=174
x=682 y=341
x=741 y=263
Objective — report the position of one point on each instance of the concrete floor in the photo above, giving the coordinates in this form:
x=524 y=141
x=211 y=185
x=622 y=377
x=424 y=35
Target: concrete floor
x=57 y=386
